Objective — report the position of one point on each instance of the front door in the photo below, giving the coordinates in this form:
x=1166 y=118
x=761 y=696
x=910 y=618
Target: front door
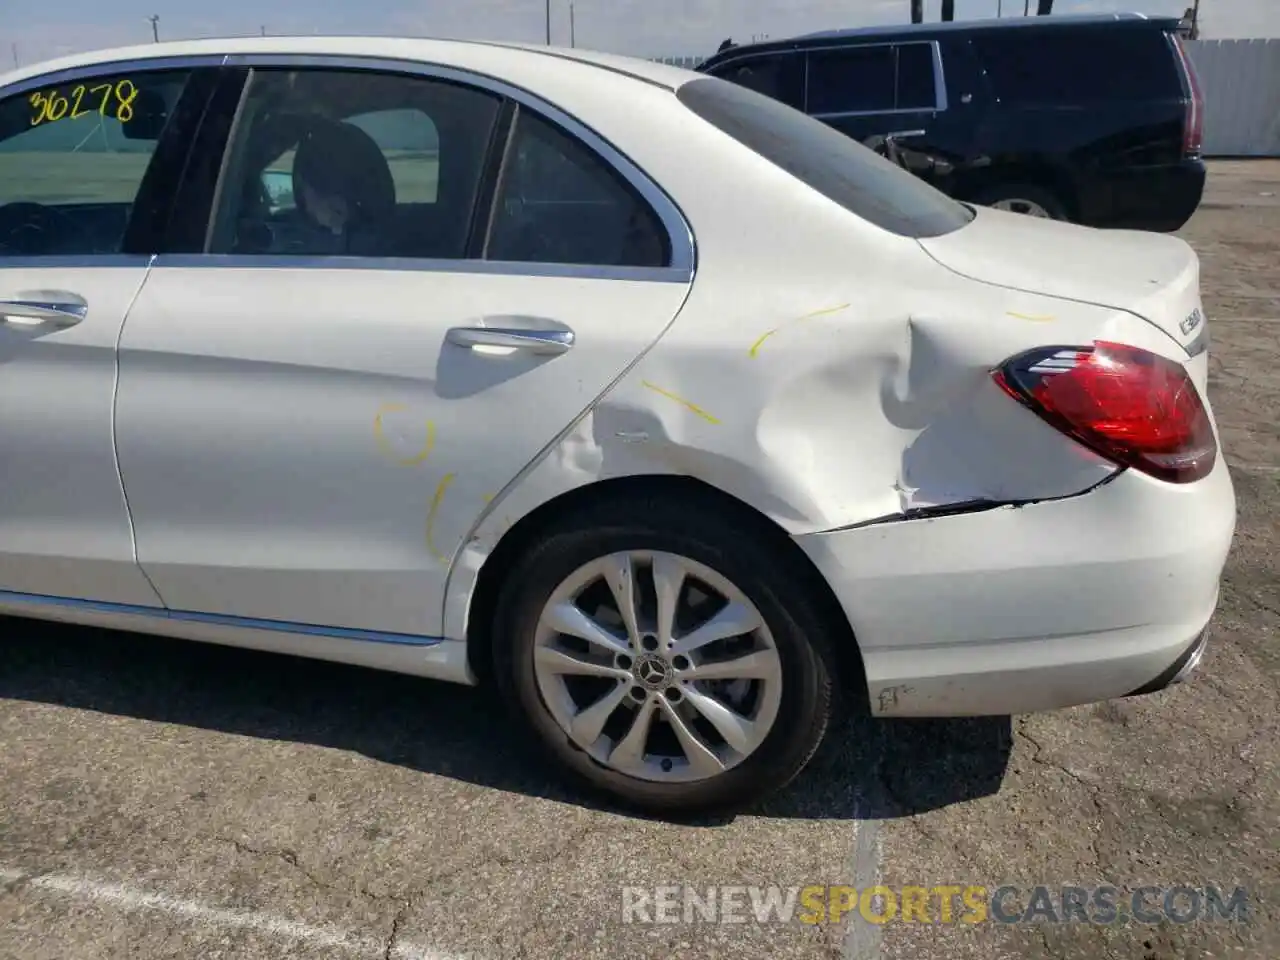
x=313 y=412
x=83 y=161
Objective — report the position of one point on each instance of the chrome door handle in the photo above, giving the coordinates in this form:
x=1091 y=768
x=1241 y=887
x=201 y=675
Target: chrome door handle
x=904 y=134
x=530 y=341
x=52 y=307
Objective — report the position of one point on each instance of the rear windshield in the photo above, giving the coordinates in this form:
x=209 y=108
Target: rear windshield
x=838 y=167
x=1073 y=67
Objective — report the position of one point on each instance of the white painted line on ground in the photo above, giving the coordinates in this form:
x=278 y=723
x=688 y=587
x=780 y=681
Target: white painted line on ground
x=862 y=939
x=132 y=899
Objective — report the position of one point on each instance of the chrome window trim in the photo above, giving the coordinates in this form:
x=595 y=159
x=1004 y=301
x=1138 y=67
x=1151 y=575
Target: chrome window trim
x=112 y=67
x=679 y=233
x=133 y=261
x=411 y=264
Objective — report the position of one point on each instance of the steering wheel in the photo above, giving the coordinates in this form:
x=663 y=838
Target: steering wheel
x=32 y=229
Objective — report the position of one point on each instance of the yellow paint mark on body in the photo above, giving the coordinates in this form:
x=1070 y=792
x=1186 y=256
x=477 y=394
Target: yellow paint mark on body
x=385 y=445
x=692 y=408
x=487 y=498
x=441 y=487
x=755 y=347
x=1032 y=318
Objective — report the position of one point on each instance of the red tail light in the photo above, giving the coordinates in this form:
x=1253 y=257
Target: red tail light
x=1193 y=128
x=1133 y=407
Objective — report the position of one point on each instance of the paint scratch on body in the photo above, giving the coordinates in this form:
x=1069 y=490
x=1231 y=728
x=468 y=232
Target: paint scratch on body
x=386 y=446
x=441 y=487
x=755 y=347
x=692 y=408
x=1033 y=318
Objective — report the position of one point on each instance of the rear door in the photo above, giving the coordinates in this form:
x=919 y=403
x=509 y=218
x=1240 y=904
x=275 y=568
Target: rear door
x=87 y=162
x=310 y=418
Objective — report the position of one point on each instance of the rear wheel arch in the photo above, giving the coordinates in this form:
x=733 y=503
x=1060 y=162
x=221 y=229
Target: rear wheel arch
x=525 y=533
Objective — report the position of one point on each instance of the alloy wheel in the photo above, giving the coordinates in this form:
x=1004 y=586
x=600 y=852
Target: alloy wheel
x=657 y=666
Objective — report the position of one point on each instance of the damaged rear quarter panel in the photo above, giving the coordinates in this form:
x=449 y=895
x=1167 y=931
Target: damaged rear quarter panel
x=822 y=409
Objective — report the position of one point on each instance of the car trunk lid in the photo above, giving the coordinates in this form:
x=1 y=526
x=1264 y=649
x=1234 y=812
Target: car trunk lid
x=1154 y=276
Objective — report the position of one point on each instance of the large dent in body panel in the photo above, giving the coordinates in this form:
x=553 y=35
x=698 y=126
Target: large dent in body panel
x=836 y=418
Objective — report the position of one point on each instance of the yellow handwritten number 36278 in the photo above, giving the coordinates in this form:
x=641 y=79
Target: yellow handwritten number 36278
x=112 y=99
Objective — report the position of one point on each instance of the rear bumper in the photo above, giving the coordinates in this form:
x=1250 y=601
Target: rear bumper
x=1160 y=198
x=1014 y=610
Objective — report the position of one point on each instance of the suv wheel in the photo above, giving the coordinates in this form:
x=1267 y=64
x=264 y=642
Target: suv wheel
x=1023 y=198
x=665 y=657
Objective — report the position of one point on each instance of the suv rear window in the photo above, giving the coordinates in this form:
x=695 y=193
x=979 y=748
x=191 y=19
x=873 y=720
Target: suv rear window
x=831 y=163
x=1065 y=67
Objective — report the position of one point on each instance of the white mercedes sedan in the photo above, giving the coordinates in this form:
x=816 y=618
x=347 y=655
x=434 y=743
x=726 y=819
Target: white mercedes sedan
x=669 y=411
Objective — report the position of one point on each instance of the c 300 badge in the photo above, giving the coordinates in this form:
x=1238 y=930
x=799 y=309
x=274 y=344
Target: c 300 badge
x=1193 y=320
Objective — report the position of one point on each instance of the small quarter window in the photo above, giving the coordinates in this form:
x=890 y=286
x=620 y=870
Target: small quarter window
x=559 y=202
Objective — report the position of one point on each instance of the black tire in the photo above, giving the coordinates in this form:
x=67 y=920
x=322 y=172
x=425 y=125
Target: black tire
x=1042 y=197
x=754 y=566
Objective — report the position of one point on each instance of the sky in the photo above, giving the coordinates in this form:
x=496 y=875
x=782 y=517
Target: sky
x=33 y=32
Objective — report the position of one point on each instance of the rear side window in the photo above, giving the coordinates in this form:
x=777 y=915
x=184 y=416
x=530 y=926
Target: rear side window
x=872 y=79
x=1065 y=67
x=917 y=85
x=829 y=162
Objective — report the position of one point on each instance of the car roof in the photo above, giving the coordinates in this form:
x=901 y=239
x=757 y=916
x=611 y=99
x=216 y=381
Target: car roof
x=923 y=31
x=428 y=50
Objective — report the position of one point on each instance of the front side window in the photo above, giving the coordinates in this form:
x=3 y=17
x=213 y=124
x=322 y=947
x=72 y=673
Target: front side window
x=354 y=163
x=826 y=160
x=780 y=76
x=559 y=202
x=73 y=158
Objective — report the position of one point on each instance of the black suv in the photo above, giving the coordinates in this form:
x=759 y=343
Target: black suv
x=1094 y=119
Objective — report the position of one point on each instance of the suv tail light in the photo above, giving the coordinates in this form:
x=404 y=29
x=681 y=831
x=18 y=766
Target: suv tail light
x=1133 y=407
x=1193 y=128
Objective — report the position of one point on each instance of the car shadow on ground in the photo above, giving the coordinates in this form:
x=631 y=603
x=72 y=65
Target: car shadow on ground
x=868 y=769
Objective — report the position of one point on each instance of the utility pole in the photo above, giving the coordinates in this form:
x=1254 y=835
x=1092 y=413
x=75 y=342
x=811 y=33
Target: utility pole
x=573 y=32
x=948 y=10
x=262 y=30
x=548 y=23
x=917 y=11
x=155 y=27
x=1026 y=8
x=15 y=56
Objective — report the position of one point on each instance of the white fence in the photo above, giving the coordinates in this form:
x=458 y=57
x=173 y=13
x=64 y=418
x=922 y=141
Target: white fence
x=1241 y=80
